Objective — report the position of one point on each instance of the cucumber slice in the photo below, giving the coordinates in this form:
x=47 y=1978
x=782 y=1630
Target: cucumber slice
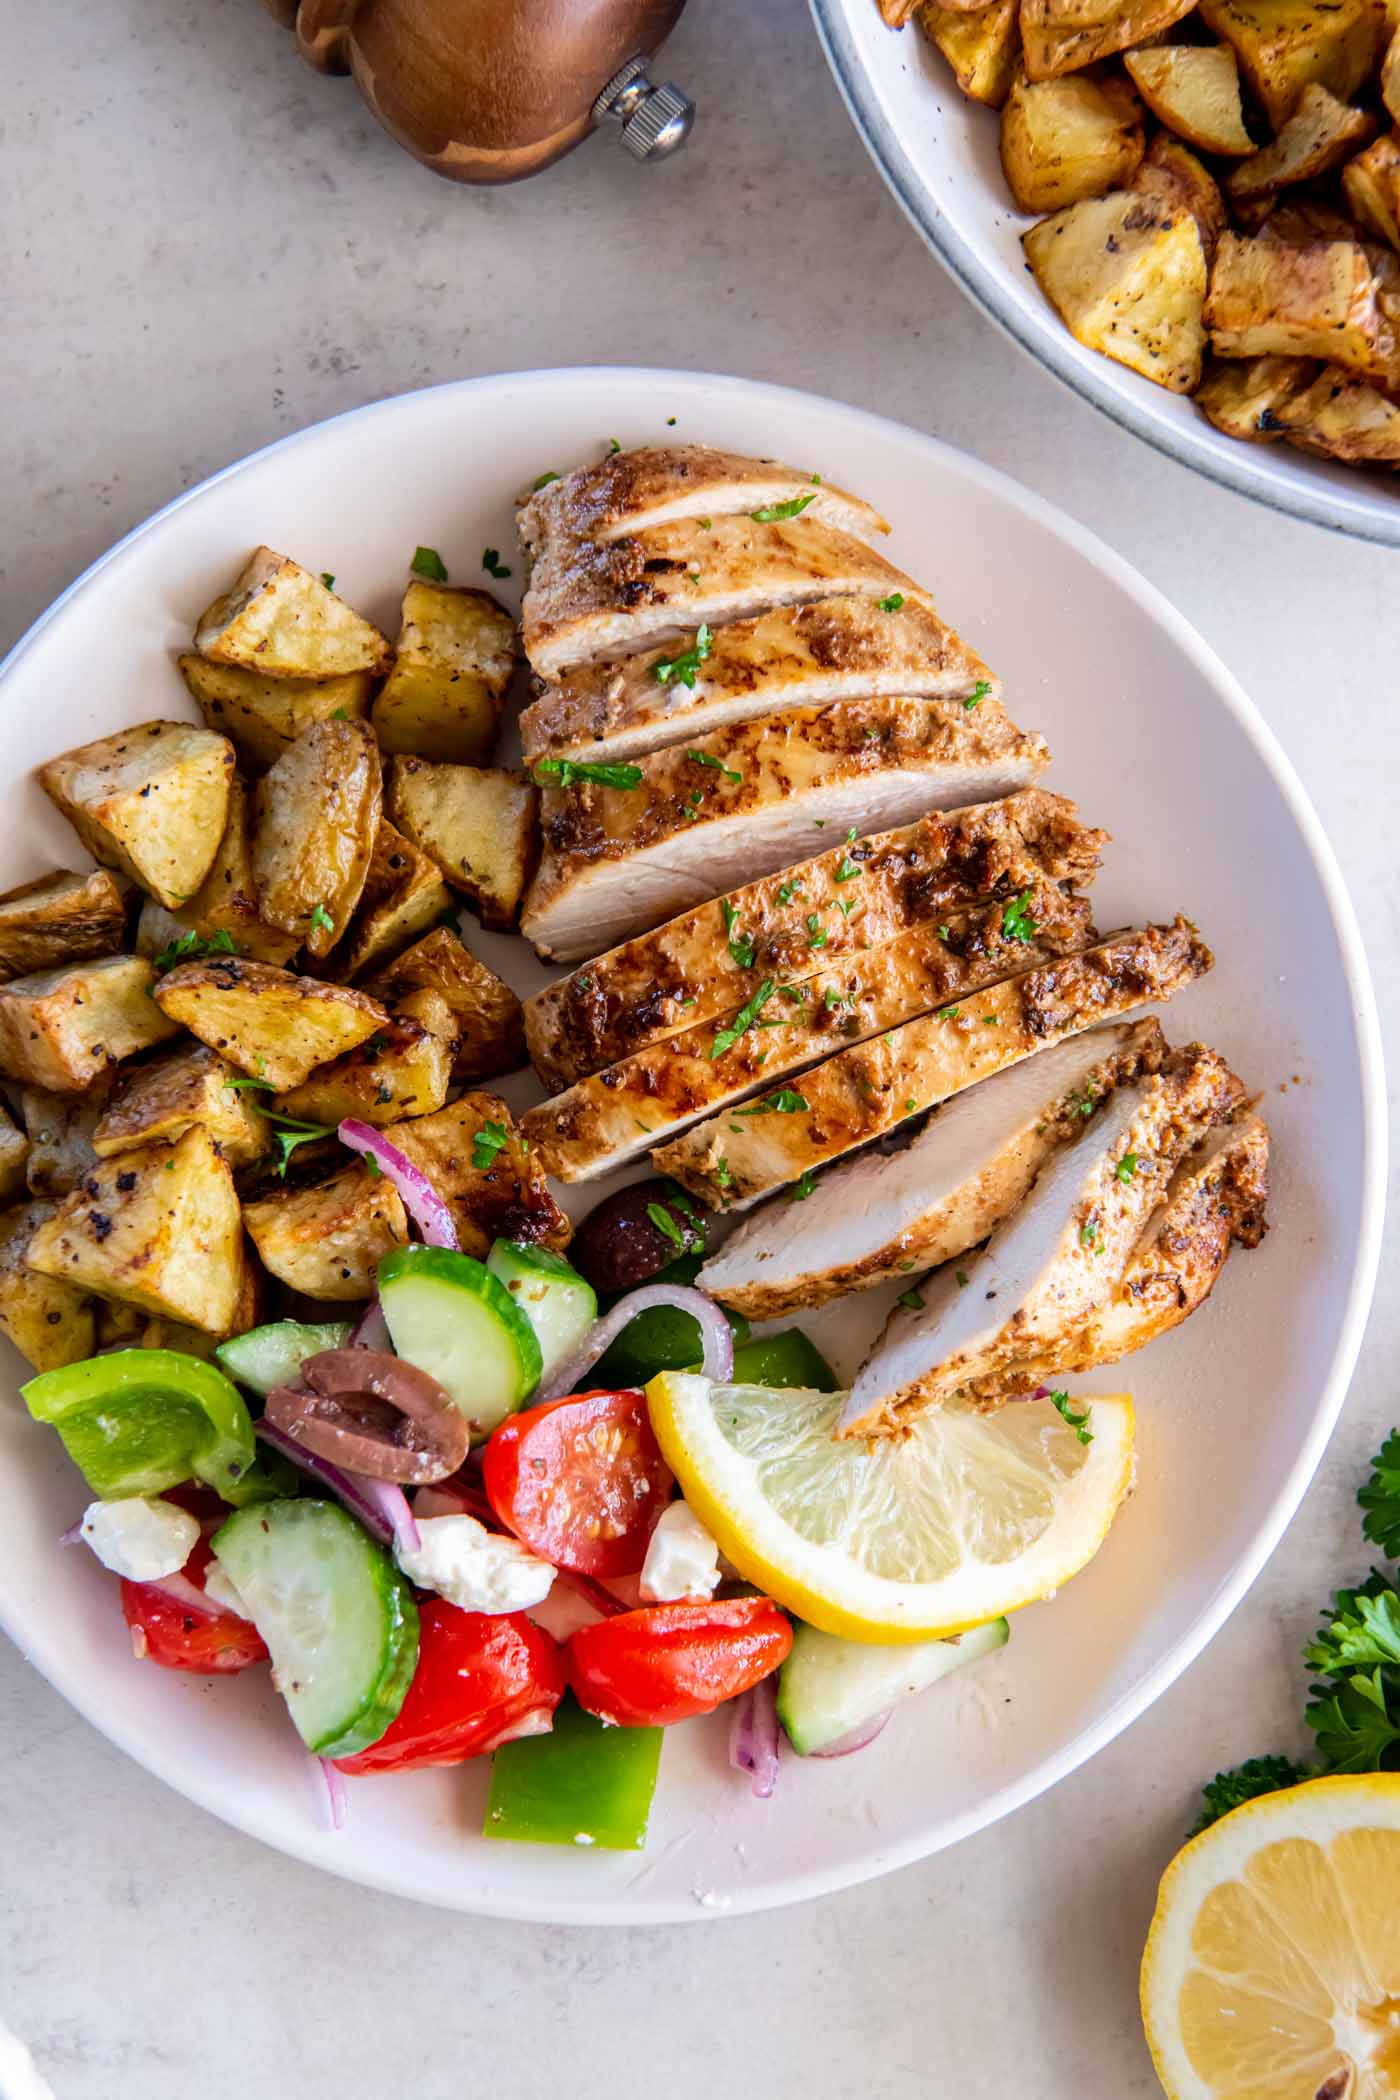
x=270 y=1356
x=338 y=1618
x=559 y=1304
x=452 y=1318
x=828 y=1686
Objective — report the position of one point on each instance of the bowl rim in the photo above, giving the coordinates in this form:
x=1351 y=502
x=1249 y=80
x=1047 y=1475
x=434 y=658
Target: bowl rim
x=1358 y=515
x=601 y=1907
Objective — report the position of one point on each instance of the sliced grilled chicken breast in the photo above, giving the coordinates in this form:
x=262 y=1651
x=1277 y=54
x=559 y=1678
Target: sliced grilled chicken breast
x=612 y=1116
x=608 y=597
x=753 y=798
x=864 y=1092
x=1058 y=1263
x=880 y=1215
x=709 y=961
x=657 y=484
x=795 y=656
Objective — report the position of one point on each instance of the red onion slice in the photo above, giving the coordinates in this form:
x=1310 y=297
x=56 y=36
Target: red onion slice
x=421 y=1200
x=754 y=1736
x=330 y=1787
x=371 y=1330
x=717 y=1361
x=187 y=1595
x=381 y=1505
x=854 y=1739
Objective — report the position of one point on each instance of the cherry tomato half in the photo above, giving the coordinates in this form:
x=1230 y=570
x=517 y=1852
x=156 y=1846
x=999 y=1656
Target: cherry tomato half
x=480 y=1682
x=646 y=1669
x=163 y=1632
x=580 y=1481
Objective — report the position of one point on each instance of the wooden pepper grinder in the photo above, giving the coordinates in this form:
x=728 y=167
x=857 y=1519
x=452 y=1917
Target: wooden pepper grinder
x=493 y=90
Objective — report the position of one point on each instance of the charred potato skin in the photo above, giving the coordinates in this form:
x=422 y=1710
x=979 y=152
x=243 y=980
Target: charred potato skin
x=1371 y=185
x=283 y=622
x=315 y=815
x=504 y=1196
x=328 y=1241
x=270 y=1024
x=1061 y=36
x=1067 y=139
x=1321 y=133
x=156 y=1103
x=1283 y=45
x=50 y=1323
x=60 y=1130
x=1271 y=297
x=1243 y=396
x=151 y=802
x=405 y=1069
x=60 y=1028
x=60 y=918
x=481 y=826
x=489 y=1018
x=982 y=45
x=404 y=894
x=453 y=664
x=262 y=716
x=1341 y=416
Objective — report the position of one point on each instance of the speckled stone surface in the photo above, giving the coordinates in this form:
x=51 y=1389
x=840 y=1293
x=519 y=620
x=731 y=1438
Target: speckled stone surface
x=206 y=246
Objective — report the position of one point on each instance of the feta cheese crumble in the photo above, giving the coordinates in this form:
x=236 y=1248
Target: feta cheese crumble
x=141 y=1536
x=682 y=1559
x=475 y=1568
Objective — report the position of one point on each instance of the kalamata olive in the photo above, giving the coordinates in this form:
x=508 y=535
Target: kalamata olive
x=633 y=1235
x=372 y=1413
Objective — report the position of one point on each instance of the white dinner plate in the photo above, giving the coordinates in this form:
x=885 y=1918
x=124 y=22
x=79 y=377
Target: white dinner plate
x=1157 y=742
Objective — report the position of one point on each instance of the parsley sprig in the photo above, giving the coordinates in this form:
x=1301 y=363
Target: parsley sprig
x=1017 y=923
x=775 y=513
x=573 y=772
x=685 y=668
x=487 y=1142
x=193 y=947
x=726 y=1038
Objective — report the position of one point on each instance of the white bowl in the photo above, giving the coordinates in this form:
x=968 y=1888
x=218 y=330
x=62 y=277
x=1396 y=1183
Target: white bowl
x=938 y=153
x=1156 y=740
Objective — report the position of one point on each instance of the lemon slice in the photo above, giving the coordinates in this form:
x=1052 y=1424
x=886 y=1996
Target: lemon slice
x=960 y=1519
x=1272 y=1969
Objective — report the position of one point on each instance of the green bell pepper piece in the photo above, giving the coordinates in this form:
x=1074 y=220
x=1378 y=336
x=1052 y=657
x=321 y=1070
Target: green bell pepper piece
x=788 y=1359
x=270 y=1478
x=137 y=1421
x=582 y=1784
x=659 y=1339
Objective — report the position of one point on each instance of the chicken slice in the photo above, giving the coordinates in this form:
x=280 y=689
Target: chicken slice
x=657 y=484
x=794 y=656
x=864 y=1092
x=751 y=799
x=607 y=598
x=612 y=1116
x=709 y=961
x=880 y=1214
x=981 y=1332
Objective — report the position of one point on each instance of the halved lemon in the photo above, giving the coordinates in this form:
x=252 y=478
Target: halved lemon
x=1272 y=1969
x=958 y=1520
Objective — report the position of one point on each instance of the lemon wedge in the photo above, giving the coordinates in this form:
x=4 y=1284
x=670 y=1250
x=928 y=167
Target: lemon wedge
x=960 y=1519
x=1272 y=1969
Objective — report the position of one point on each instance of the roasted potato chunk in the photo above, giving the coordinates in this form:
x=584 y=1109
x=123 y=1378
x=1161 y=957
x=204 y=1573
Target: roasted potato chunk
x=262 y=716
x=1283 y=45
x=60 y=1130
x=1268 y=297
x=158 y=1102
x=1372 y=186
x=1064 y=140
x=151 y=801
x=225 y=905
x=1173 y=177
x=1060 y=36
x=50 y=1323
x=1243 y=396
x=403 y=1070
x=158 y=1228
x=488 y=1017
x=59 y=919
x=1341 y=417
x=315 y=814
x=475 y=1158
x=452 y=666
x=895 y=13
x=272 y=1025
x=1321 y=133
x=981 y=44
x=282 y=621
x=403 y=894
x=480 y=826
x=14 y=1157
x=1194 y=89
x=1127 y=277
x=60 y=1028
x=328 y=1241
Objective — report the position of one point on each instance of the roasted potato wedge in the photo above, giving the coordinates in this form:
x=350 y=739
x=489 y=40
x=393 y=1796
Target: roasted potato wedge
x=1064 y=140
x=151 y=801
x=329 y=1240
x=1371 y=184
x=1283 y=45
x=981 y=44
x=14 y=1157
x=315 y=814
x=1194 y=89
x=404 y=894
x=480 y=826
x=1173 y=177
x=404 y=1069
x=1127 y=277
x=225 y=904
x=1268 y=297
x=452 y=666
x=282 y=621
x=157 y=1102
x=477 y=1161
x=895 y=13
x=60 y=1028
x=272 y=1025
x=488 y=1017
x=60 y=1130
x=60 y=918
x=1242 y=396
x=1060 y=36
x=158 y=1228
x=50 y=1323
x=1390 y=67
x=262 y=716
x=1341 y=417
x=1321 y=133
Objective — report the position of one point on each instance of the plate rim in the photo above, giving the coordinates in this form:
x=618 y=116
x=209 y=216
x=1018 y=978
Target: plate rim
x=609 y=1906
x=1353 y=516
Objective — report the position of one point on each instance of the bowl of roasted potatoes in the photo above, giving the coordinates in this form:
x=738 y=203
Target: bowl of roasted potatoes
x=1188 y=210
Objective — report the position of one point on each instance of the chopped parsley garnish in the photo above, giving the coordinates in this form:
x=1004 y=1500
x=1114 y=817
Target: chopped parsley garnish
x=707 y=758
x=569 y=772
x=848 y=869
x=775 y=513
x=688 y=1241
x=787 y=891
x=1127 y=1166
x=786 y=1102
x=911 y=1300
x=321 y=920
x=1016 y=921
x=894 y=603
x=796 y=992
x=428 y=563
x=817 y=480
x=1078 y=1423
x=192 y=947
x=963 y=1278
x=341 y=714
x=741 y=945
x=942 y=932
x=492 y=563
x=1085 y=1104
x=816 y=932
x=802 y=1187
x=685 y=668
x=832 y=998
x=743 y=1020
x=1091 y=1235
x=948 y=1013
x=327 y=579
x=991 y=1021
x=911 y=1108
x=706 y=524
x=670 y=422
x=542 y=481
x=722 y=1173
x=613 y=445
x=978 y=695
x=487 y=1142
